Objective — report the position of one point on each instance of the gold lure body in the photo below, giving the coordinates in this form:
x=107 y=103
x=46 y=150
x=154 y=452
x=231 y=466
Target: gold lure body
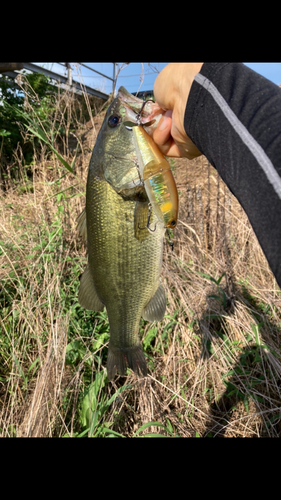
x=157 y=176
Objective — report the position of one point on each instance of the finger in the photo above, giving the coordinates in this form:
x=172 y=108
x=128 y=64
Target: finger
x=162 y=133
x=169 y=148
x=162 y=136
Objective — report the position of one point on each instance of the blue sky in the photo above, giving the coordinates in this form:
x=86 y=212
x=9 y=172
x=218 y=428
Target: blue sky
x=138 y=76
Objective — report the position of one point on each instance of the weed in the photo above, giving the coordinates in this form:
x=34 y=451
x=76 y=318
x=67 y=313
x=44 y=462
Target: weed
x=213 y=361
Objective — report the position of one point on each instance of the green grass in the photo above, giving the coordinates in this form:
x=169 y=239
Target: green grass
x=40 y=289
x=213 y=361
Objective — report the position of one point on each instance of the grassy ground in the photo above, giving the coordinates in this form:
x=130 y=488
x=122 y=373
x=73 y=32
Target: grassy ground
x=214 y=361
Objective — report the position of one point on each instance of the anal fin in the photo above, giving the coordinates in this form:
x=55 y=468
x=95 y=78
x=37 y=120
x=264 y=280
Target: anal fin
x=87 y=295
x=156 y=307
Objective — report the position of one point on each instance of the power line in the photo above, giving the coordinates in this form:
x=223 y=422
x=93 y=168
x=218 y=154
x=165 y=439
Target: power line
x=138 y=74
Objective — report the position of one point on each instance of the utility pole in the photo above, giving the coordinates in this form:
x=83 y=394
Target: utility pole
x=114 y=77
x=69 y=74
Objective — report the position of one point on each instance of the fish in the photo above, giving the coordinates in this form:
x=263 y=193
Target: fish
x=124 y=256
x=157 y=176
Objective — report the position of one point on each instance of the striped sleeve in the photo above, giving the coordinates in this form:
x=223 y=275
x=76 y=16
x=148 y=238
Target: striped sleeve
x=233 y=116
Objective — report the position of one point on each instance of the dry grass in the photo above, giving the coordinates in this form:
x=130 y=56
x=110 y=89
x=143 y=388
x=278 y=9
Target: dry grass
x=214 y=361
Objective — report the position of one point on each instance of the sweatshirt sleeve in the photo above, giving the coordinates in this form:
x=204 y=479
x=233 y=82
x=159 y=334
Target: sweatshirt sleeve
x=233 y=116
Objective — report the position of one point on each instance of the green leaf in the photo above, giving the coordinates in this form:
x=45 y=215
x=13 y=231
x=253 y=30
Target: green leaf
x=230 y=372
x=74 y=159
x=246 y=403
x=204 y=275
x=103 y=337
x=255 y=329
x=41 y=135
x=149 y=435
x=151 y=334
x=4 y=133
x=82 y=433
x=148 y=424
x=169 y=426
x=89 y=414
x=214 y=297
x=62 y=191
x=219 y=280
x=112 y=433
x=37 y=360
x=121 y=389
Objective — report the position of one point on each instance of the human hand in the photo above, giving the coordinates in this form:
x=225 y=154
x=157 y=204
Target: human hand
x=171 y=91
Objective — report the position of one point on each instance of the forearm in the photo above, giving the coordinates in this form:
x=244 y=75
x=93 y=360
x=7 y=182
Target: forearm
x=233 y=116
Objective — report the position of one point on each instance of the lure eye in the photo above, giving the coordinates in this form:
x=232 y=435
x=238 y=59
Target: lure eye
x=114 y=120
x=173 y=223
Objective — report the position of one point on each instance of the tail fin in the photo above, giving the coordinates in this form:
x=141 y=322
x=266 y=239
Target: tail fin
x=118 y=359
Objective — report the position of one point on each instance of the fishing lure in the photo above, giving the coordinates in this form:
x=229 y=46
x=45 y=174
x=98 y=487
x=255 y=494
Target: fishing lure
x=157 y=176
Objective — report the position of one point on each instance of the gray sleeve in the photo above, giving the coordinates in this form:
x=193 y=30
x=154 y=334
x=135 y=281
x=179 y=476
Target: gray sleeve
x=233 y=115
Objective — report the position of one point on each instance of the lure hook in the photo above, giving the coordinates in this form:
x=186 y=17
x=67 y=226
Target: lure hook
x=138 y=116
x=148 y=221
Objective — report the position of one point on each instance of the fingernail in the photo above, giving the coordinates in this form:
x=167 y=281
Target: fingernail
x=164 y=119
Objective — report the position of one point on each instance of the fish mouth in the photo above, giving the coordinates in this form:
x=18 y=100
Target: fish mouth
x=150 y=114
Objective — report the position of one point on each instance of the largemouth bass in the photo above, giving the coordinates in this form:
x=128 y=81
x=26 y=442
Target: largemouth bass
x=124 y=256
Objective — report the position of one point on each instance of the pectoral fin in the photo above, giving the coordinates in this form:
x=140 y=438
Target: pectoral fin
x=156 y=307
x=87 y=295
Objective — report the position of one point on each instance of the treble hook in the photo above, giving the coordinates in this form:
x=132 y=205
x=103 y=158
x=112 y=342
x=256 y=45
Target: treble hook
x=129 y=124
x=138 y=116
x=148 y=221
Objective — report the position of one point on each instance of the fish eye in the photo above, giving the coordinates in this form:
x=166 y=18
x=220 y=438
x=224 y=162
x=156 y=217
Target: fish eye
x=173 y=223
x=114 y=120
